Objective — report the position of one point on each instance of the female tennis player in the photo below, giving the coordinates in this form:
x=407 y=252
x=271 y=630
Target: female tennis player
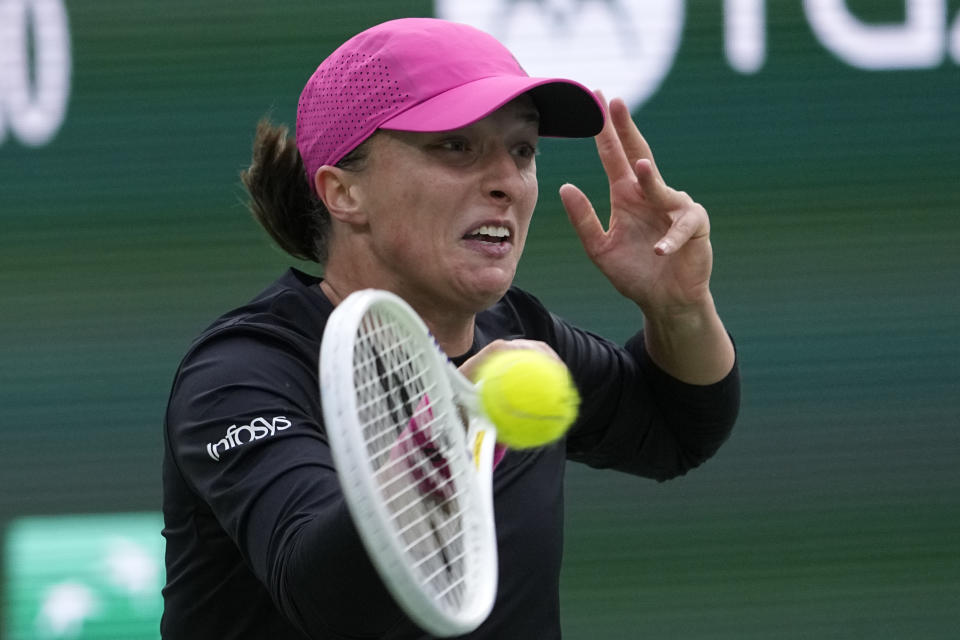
x=413 y=170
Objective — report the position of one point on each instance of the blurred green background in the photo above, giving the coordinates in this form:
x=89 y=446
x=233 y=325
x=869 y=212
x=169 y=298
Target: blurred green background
x=834 y=193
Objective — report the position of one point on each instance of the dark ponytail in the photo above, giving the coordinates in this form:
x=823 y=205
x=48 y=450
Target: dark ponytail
x=280 y=197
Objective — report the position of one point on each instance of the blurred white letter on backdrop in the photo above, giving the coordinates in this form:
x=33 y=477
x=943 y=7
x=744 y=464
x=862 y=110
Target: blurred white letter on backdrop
x=916 y=44
x=33 y=102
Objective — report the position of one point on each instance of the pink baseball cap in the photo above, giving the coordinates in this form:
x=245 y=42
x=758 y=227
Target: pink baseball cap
x=425 y=74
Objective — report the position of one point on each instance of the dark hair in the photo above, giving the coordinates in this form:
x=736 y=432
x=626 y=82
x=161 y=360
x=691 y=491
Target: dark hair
x=280 y=196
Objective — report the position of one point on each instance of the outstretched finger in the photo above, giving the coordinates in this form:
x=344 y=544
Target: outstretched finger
x=583 y=218
x=612 y=156
x=634 y=145
x=650 y=183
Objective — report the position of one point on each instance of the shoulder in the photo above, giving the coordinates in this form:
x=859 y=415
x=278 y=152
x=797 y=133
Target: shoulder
x=278 y=331
x=290 y=310
x=522 y=301
x=292 y=303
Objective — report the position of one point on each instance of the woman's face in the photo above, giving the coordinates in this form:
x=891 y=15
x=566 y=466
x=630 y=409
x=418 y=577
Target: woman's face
x=448 y=212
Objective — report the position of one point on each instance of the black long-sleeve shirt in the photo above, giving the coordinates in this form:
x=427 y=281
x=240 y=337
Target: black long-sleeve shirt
x=259 y=540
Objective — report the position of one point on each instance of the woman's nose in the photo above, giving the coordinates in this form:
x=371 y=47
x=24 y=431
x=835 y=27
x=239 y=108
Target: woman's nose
x=503 y=180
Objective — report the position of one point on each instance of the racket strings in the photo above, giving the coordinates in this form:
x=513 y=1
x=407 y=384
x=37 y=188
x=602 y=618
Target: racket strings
x=408 y=451
x=422 y=515
x=379 y=417
x=432 y=532
x=392 y=477
x=379 y=446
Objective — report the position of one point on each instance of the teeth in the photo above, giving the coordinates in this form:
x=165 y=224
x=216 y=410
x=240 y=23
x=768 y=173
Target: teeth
x=490 y=230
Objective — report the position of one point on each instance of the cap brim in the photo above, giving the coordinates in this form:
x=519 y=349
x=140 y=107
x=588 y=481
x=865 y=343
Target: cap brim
x=567 y=108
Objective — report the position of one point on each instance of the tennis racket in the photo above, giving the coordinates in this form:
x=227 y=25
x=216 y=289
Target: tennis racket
x=414 y=455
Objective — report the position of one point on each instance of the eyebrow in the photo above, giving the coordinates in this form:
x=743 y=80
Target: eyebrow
x=525 y=110
x=530 y=115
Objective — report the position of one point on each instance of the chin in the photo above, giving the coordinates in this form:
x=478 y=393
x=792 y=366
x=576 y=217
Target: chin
x=479 y=287
x=485 y=292
x=489 y=296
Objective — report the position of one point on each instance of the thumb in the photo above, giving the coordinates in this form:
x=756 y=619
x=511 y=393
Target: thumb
x=583 y=217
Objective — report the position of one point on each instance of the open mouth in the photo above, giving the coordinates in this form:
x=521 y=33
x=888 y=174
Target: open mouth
x=493 y=234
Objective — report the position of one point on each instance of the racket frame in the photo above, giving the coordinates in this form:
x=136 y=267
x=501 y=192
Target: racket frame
x=357 y=476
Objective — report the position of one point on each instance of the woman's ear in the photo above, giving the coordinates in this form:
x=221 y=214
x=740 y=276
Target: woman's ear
x=335 y=188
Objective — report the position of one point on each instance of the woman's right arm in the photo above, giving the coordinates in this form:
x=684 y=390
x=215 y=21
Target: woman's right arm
x=244 y=426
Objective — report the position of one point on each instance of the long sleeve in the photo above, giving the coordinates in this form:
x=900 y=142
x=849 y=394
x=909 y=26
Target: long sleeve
x=640 y=420
x=634 y=417
x=243 y=430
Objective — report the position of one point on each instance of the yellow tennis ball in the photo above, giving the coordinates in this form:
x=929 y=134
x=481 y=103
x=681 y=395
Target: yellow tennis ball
x=529 y=396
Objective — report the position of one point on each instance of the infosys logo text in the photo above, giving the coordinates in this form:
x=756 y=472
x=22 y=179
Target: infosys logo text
x=238 y=436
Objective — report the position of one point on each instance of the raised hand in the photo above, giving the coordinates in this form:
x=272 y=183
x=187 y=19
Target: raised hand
x=656 y=249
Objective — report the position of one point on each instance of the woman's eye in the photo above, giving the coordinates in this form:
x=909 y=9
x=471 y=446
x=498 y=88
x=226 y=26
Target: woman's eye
x=526 y=150
x=454 y=145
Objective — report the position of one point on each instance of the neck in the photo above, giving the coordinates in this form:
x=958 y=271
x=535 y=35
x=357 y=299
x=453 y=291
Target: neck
x=453 y=334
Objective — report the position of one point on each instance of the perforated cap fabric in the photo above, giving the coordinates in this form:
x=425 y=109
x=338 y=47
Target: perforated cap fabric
x=425 y=74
